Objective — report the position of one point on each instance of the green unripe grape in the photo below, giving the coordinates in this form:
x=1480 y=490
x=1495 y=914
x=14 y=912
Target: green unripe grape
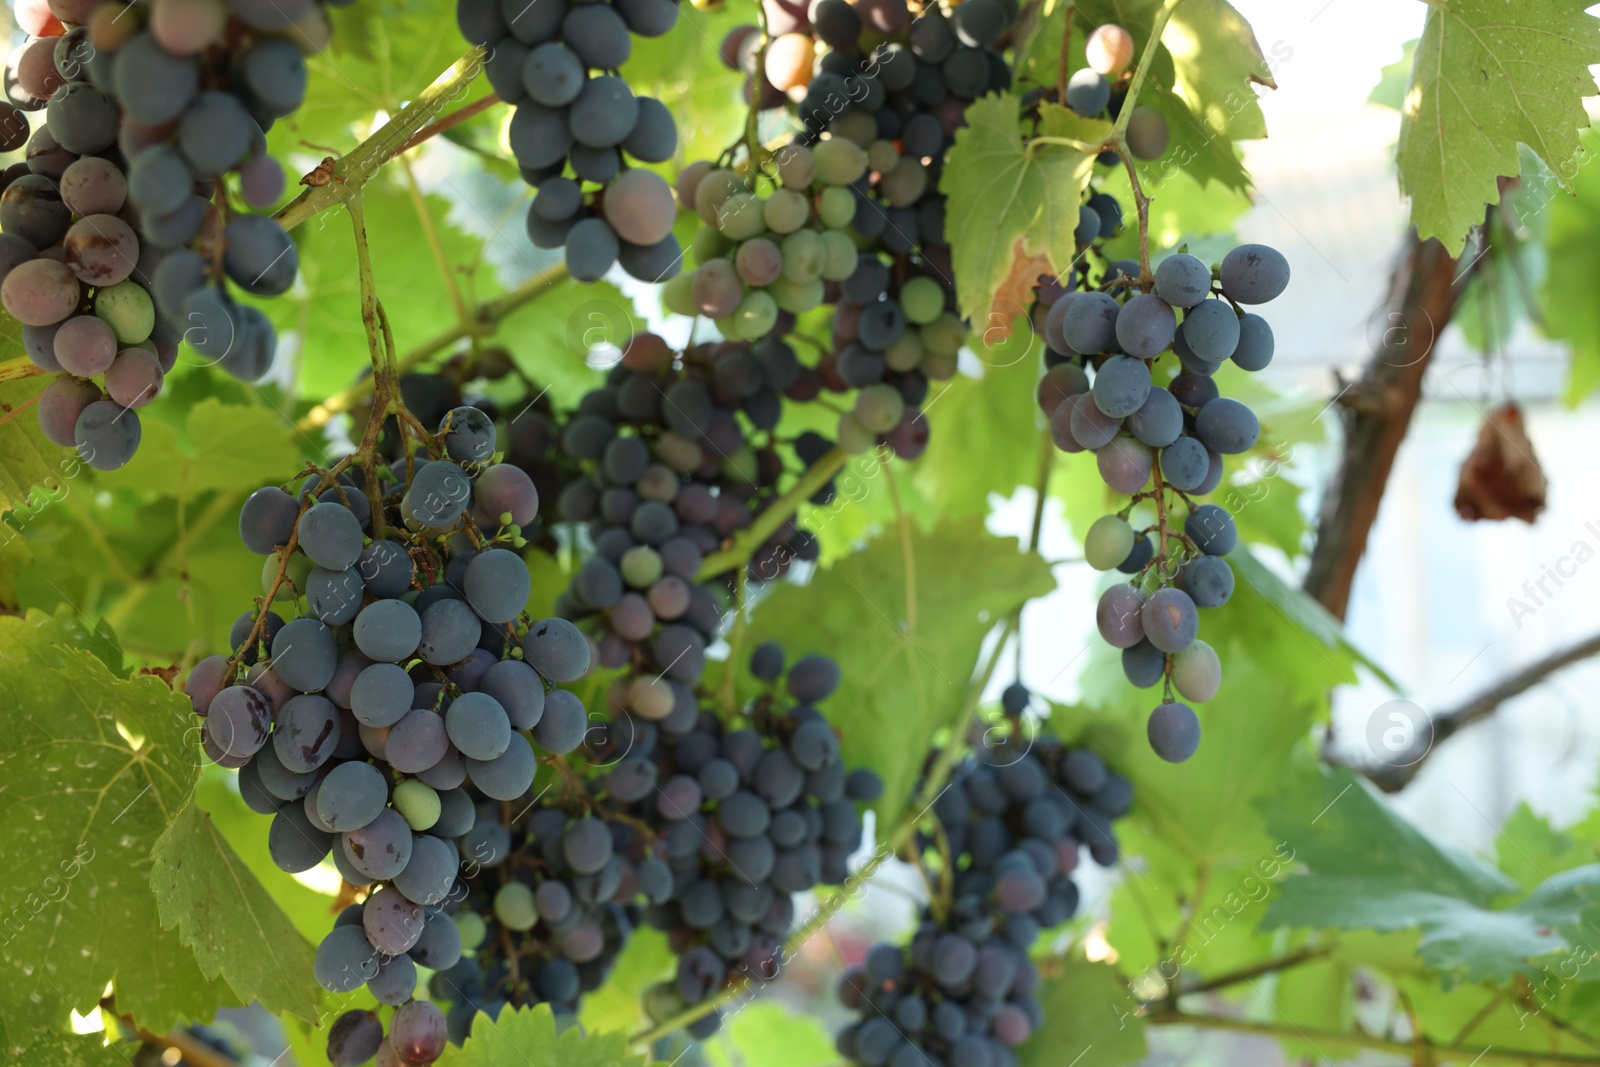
x=905 y=184
x=728 y=326
x=938 y=366
x=713 y=189
x=785 y=211
x=840 y=160
x=741 y=466
x=882 y=156
x=514 y=907
x=879 y=408
x=127 y=309
x=796 y=167
x=299 y=570
x=944 y=335
x=417 y=801
x=1108 y=542
x=922 y=299
x=662 y=1001
x=797 y=298
x=1197 y=673
x=802 y=256
x=757 y=315
x=905 y=354
x=740 y=217
x=859 y=127
x=471 y=927
x=709 y=243
x=839 y=255
x=677 y=296
x=836 y=207
x=641 y=566
x=854 y=438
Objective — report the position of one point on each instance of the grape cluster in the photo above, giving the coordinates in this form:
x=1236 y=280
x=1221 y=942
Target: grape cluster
x=1162 y=444
x=668 y=473
x=404 y=691
x=961 y=994
x=547 y=907
x=575 y=124
x=746 y=817
x=118 y=236
x=766 y=252
x=870 y=82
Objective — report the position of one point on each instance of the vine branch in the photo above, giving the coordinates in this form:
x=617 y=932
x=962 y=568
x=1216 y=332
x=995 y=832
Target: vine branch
x=1391 y=779
x=744 y=544
x=337 y=179
x=1352 y=1040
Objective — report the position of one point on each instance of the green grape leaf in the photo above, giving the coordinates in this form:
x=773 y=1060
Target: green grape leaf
x=618 y=1004
x=1193 y=148
x=772 y=1035
x=1011 y=203
x=1090 y=1020
x=94 y=767
x=1308 y=616
x=1216 y=60
x=906 y=653
x=1572 y=268
x=1390 y=92
x=1485 y=78
x=323 y=312
x=1001 y=430
x=223 y=912
x=1370 y=869
x=80 y=1050
x=311 y=910
x=221 y=446
x=382 y=54
x=1530 y=850
x=27 y=458
x=528 y=1038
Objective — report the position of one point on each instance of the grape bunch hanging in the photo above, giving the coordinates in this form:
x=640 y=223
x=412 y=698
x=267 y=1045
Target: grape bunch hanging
x=1011 y=830
x=134 y=209
x=1162 y=442
x=409 y=688
x=576 y=124
x=704 y=829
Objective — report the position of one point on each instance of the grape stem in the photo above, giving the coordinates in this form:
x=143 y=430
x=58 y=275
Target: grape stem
x=1120 y=128
x=450 y=121
x=1066 y=46
x=744 y=544
x=334 y=181
x=933 y=786
x=1141 y=203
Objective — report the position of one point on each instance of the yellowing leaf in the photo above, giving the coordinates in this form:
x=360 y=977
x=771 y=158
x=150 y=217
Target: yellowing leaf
x=1487 y=76
x=1002 y=192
